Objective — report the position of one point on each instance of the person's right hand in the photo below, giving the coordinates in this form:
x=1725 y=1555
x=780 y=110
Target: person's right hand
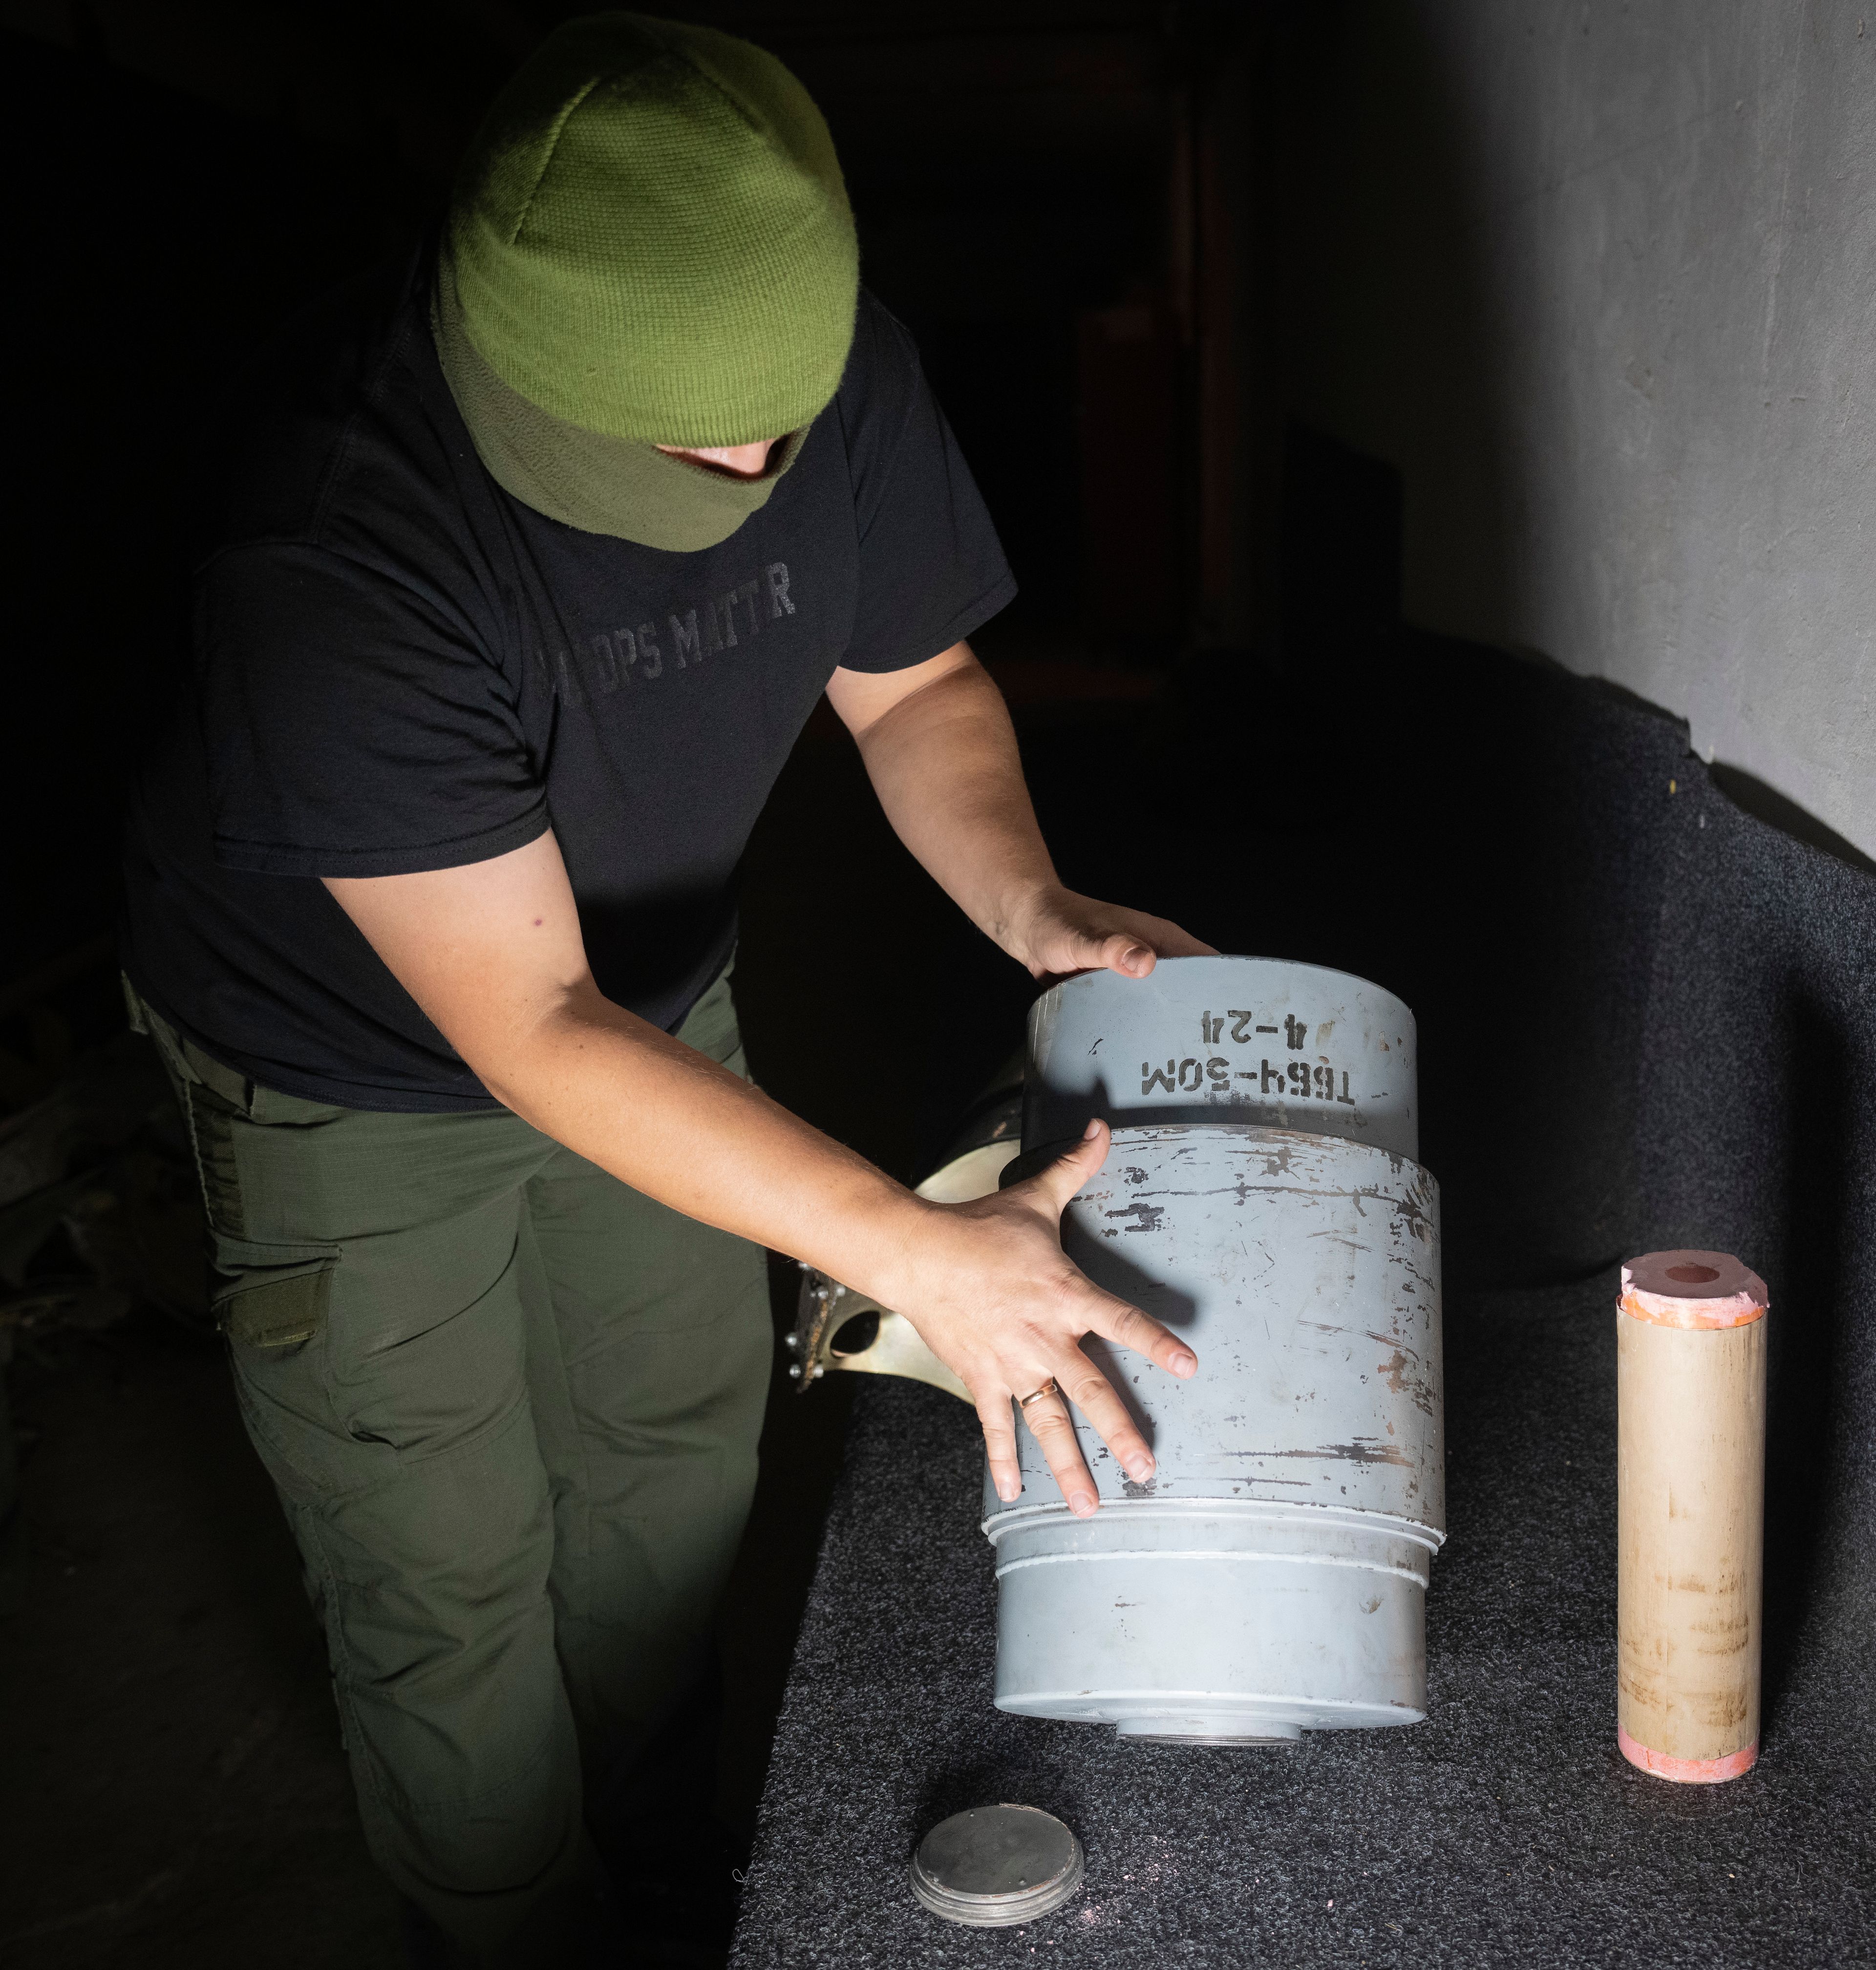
x=990 y=1289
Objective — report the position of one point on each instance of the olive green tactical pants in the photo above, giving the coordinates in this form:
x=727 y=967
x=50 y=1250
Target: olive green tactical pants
x=511 y=1407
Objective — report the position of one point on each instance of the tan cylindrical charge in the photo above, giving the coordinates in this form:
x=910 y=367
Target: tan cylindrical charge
x=1690 y=1386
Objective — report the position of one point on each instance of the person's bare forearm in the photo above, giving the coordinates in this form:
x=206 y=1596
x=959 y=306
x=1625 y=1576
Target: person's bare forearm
x=945 y=766
x=670 y=1122
x=678 y=1126
x=942 y=757
x=492 y=952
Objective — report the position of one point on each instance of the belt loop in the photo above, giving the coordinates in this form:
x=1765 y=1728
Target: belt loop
x=133 y=1007
x=185 y=1059
x=145 y=1019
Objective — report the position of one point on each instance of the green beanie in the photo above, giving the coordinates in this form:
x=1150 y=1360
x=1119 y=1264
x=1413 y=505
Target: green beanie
x=649 y=237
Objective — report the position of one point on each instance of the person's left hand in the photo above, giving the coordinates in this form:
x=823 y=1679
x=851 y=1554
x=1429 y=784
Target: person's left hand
x=1061 y=932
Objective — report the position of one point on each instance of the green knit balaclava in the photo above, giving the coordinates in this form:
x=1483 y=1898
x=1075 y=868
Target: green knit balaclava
x=648 y=243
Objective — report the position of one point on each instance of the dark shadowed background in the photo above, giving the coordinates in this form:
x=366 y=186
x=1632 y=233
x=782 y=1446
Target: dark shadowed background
x=1136 y=273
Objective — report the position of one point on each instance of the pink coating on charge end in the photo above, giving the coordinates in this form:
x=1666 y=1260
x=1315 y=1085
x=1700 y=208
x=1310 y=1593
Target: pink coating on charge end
x=1687 y=1771
x=1687 y=1288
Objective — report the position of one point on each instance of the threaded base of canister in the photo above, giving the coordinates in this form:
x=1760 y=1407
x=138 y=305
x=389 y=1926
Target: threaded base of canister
x=1687 y=1771
x=1221 y=1730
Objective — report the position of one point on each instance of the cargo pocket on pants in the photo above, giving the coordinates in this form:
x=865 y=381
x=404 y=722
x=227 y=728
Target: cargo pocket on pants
x=272 y=1296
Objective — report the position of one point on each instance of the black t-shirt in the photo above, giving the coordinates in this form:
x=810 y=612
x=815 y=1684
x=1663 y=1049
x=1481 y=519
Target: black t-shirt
x=400 y=667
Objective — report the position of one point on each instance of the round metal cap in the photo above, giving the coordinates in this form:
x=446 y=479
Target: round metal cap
x=997 y=1865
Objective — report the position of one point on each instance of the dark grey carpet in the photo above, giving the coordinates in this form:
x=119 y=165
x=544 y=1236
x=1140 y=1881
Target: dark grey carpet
x=1646 y=1018
x=1506 y=1829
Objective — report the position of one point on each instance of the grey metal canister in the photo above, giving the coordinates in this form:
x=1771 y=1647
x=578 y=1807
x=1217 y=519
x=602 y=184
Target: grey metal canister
x=1223 y=1039
x=1271 y=1578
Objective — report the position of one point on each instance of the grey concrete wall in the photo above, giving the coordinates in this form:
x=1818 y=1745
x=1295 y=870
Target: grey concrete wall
x=1601 y=278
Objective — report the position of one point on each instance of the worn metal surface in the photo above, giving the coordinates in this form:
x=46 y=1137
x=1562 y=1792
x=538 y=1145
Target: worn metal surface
x=1271 y=1578
x=1254 y=1040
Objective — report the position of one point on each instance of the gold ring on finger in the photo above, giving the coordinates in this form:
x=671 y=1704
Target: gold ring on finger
x=1035 y=1396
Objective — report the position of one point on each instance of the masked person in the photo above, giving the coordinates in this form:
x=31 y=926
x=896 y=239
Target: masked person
x=524 y=568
